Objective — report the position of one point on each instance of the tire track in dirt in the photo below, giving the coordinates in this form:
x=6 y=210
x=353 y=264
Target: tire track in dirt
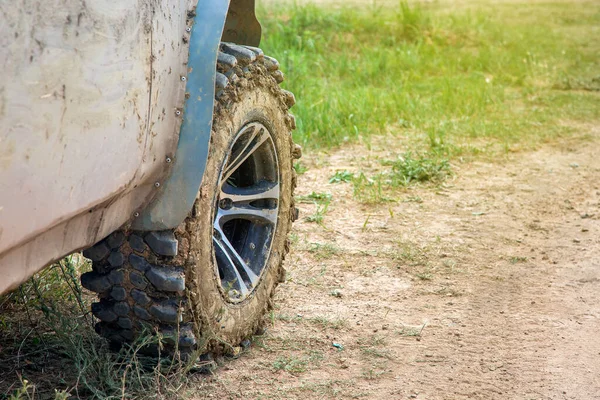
x=487 y=287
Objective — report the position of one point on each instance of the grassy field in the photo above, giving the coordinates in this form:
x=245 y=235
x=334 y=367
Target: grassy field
x=463 y=80
x=472 y=81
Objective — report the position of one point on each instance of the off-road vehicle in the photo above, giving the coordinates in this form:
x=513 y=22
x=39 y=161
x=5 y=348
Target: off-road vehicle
x=154 y=135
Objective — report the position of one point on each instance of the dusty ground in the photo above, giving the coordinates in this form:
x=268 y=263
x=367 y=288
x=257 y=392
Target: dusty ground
x=485 y=288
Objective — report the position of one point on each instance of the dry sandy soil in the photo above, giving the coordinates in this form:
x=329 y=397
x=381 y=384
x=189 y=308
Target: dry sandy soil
x=484 y=287
x=487 y=287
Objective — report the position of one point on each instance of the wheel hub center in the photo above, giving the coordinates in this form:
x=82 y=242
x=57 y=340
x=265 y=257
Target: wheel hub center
x=225 y=204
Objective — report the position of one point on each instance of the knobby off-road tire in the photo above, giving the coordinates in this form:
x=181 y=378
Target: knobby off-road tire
x=174 y=282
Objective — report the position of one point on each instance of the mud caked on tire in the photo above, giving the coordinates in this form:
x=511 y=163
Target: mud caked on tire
x=205 y=286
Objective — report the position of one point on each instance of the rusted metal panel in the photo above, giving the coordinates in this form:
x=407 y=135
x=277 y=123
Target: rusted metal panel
x=88 y=94
x=241 y=26
x=178 y=193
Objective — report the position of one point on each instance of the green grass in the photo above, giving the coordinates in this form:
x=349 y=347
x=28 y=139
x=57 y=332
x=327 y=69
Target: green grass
x=324 y=251
x=407 y=169
x=297 y=365
x=300 y=168
x=321 y=200
x=315 y=197
x=409 y=331
x=374 y=347
x=404 y=171
x=341 y=176
x=325 y=322
x=480 y=79
x=50 y=348
x=517 y=259
x=370 y=190
x=290 y=364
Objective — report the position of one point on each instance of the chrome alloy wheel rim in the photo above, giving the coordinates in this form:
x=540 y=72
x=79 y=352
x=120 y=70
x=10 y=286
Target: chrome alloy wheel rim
x=247 y=208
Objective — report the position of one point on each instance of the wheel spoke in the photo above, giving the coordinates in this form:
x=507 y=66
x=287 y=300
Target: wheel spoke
x=227 y=267
x=234 y=264
x=263 y=190
x=249 y=213
x=257 y=138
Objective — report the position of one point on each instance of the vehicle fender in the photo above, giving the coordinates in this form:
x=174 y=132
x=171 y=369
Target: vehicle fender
x=177 y=193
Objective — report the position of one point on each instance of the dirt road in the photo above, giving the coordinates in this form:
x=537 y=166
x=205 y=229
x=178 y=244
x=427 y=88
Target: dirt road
x=485 y=288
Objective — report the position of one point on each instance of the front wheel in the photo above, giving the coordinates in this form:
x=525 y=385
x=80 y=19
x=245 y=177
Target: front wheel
x=206 y=285
x=238 y=230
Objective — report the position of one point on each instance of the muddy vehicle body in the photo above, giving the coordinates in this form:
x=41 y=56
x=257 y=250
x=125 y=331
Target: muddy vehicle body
x=155 y=136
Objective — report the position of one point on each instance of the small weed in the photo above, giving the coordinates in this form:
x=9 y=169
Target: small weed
x=319 y=214
x=298 y=364
x=375 y=340
x=290 y=364
x=300 y=168
x=373 y=373
x=517 y=259
x=325 y=322
x=369 y=347
x=410 y=254
x=285 y=317
x=424 y=276
x=449 y=263
x=315 y=197
x=370 y=190
x=25 y=392
x=323 y=251
x=408 y=169
x=328 y=389
x=405 y=171
x=364 y=226
x=294 y=239
x=413 y=199
x=448 y=291
x=372 y=352
x=321 y=200
x=312 y=277
x=276 y=344
x=411 y=330
x=315 y=357
x=341 y=176
x=536 y=227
